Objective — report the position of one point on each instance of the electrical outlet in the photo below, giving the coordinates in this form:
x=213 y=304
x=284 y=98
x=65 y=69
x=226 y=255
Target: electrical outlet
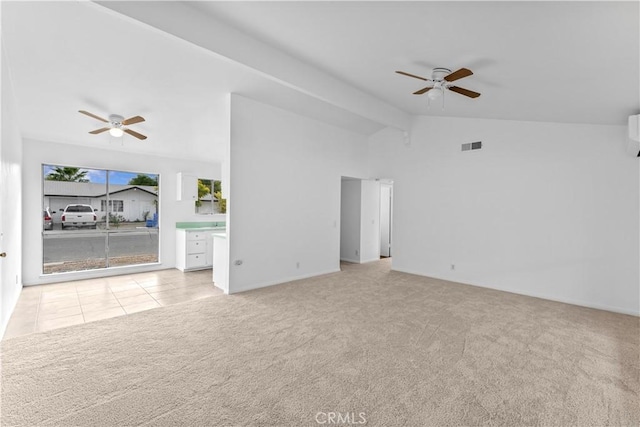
x=298 y=264
x=357 y=252
x=453 y=266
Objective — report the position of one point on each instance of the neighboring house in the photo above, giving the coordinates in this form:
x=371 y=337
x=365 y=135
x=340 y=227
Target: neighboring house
x=129 y=201
x=208 y=205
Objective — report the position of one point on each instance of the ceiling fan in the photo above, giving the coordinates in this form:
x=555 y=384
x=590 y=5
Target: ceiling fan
x=441 y=80
x=117 y=125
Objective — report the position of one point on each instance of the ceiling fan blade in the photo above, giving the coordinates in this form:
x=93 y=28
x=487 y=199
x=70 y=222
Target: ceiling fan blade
x=421 y=91
x=97 y=131
x=134 y=133
x=412 y=75
x=93 y=115
x=133 y=120
x=462 y=72
x=465 y=92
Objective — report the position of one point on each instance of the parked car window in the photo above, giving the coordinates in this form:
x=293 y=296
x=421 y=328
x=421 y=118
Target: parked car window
x=79 y=208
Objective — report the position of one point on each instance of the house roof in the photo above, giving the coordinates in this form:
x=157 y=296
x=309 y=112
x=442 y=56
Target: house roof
x=90 y=189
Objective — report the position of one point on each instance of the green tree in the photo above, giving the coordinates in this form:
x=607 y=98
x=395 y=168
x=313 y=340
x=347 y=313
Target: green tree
x=222 y=203
x=206 y=182
x=67 y=174
x=203 y=190
x=217 y=187
x=143 y=179
x=204 y=187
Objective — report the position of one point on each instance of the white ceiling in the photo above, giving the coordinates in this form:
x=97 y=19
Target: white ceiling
x=559 y=62
x=574 y=62
x=70 y=56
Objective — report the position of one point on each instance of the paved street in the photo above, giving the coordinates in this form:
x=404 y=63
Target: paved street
x=75 y=245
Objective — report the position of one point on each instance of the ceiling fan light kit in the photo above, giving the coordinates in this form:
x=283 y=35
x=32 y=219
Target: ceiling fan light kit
x=441 y=81
x=117 y=125
x=116 y=122
x=116 y=132
x=435 y=92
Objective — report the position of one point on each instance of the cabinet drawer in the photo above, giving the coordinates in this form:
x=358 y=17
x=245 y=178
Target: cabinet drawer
x=196 y=260
x=196 y=246
x=195 y=235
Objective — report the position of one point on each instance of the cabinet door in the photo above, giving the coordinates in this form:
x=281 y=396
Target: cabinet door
x=196 y=260
x=196 y=235
x=196 y=246
x=187 y=186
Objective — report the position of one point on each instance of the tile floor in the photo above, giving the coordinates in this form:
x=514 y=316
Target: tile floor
x=44 y=307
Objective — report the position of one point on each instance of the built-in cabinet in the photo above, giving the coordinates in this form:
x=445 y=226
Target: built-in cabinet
x=187 y=186
x=221 y=262
x=194 y=249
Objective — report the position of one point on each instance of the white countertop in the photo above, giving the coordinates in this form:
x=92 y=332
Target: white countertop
x=223 y=229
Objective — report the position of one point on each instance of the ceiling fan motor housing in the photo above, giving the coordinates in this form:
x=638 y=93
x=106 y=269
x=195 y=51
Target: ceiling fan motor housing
x=439 y=74
x=116 y=120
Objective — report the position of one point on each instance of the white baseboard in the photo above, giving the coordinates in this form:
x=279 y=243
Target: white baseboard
x=362 y=261
x=571 y=301
x=5 y=322
x=281 y=281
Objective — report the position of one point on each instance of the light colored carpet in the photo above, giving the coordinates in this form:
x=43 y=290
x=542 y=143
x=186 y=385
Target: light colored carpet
x=401 y=349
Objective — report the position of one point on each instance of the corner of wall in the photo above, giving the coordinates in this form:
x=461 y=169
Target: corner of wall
x=10 y=199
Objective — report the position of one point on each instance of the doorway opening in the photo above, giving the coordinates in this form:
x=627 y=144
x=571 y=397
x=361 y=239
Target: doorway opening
x=386 y=218
x=366 y=218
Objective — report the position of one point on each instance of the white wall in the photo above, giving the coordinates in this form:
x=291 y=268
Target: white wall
x=37 y=153
x=360 y=221
x=548 y=210
x=370 y=221
x=386 y=191
x=284 y=201
x=350 y=217
x=10 y=202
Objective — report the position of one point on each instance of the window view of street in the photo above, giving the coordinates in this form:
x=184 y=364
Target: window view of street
x=98 y=218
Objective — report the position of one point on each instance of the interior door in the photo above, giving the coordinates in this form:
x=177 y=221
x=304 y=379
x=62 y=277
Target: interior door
x=385 y=219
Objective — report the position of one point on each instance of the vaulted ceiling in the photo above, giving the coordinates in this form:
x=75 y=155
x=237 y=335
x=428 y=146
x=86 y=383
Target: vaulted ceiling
x=575 y=62
x=175 y=62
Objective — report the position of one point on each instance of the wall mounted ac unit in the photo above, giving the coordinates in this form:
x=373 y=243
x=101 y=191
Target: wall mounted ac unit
x=634 y=135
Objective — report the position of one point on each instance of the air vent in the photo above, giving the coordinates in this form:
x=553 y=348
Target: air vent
x=472 y=146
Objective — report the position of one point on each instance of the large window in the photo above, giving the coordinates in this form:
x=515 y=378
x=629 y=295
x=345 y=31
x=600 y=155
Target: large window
x=98 y=218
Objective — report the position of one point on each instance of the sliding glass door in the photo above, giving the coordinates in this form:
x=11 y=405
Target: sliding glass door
x=95 y=219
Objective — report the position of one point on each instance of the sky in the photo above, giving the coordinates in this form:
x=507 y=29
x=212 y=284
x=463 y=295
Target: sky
x=100 y=176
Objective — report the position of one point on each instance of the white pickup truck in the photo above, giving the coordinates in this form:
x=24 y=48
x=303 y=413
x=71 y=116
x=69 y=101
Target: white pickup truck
x=78 y=216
